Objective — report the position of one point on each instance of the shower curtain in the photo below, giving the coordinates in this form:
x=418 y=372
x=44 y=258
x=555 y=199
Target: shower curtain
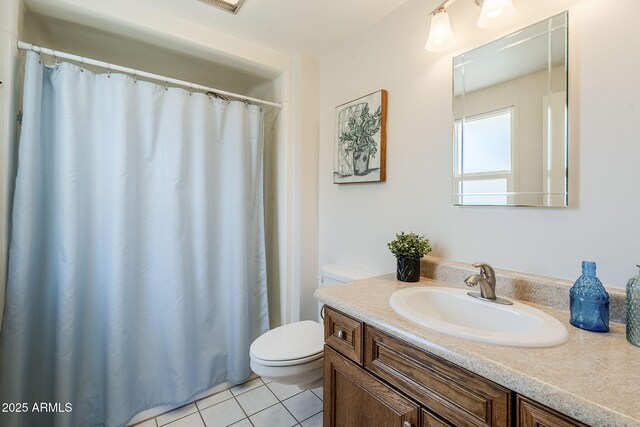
x=137 y=272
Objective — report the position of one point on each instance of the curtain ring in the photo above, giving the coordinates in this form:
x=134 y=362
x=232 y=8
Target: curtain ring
x=166 y=85
x=190 y=89
x=109 y=70
x=37 y=50
x=135 y=76
x=56 y=64
x=82 y=65
x=217 y=96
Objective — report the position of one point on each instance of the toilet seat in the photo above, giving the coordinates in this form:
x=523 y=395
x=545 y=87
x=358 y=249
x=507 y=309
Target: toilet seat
x=291 y=362
x=292 y=344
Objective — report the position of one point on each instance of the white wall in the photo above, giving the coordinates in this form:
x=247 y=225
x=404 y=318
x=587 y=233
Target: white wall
x=602 y=223
x=305 y=186
x=291 y=198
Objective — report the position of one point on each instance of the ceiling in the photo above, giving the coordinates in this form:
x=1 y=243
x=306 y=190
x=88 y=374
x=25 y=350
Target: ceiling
x=288 y=26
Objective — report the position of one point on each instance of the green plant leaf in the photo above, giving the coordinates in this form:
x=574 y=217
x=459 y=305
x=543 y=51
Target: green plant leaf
x=409 y=245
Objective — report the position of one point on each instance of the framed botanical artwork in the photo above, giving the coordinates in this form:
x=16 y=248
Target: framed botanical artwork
x=360 y=140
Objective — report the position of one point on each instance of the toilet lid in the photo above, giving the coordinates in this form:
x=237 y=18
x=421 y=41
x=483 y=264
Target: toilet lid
x=298 y=340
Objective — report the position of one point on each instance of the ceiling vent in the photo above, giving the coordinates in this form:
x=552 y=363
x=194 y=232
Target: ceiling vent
x=231 y=6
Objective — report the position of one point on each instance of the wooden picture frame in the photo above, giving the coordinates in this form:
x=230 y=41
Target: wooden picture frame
x=361 y=140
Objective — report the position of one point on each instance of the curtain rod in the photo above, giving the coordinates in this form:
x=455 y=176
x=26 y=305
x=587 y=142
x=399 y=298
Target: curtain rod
x=151 y=76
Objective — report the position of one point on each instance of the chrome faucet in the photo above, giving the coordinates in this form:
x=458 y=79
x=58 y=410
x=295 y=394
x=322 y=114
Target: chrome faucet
x=487 y=282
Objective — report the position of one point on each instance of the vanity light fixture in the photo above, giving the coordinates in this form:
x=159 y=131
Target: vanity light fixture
x=231 y=6
x=494 y=13
x=440 y=34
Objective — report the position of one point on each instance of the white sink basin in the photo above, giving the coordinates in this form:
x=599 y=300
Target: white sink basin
x=453 y=312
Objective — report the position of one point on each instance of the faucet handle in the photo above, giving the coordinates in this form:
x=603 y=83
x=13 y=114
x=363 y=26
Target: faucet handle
x=485 y=269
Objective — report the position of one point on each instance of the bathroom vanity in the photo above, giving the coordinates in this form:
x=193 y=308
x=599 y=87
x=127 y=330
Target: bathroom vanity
x=383 y=370
x=374 y=379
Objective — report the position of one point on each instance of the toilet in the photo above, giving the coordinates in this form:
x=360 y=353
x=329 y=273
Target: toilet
x=292 y=353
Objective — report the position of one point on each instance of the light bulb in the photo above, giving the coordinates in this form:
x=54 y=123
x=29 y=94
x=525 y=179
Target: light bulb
x=495 y=13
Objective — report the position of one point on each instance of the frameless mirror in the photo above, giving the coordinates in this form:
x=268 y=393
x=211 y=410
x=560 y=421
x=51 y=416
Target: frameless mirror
x=510 y=115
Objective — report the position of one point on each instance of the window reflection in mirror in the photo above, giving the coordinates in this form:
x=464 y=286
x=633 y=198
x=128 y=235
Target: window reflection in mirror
x=487 y=164
x=510 y=119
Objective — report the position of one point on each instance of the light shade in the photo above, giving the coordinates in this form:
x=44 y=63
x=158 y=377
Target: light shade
x=495 y=13
x=440 y=34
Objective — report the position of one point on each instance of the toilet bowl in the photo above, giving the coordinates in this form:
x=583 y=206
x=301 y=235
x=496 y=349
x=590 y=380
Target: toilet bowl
x=292 y=353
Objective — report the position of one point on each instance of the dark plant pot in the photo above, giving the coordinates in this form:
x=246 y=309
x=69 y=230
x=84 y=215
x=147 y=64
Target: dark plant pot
x=361 y=163
x=408 y=269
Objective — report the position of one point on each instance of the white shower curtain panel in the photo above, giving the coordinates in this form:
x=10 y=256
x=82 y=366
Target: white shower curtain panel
x=137 y=273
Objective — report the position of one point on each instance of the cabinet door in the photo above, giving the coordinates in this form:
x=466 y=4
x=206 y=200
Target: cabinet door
x=456 y=395
x=355 y=398
x=533 y=414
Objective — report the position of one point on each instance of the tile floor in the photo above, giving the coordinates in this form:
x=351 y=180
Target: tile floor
x=256 y=403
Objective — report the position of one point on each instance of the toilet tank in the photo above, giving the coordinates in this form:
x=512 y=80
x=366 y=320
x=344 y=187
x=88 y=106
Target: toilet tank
x=335 y=274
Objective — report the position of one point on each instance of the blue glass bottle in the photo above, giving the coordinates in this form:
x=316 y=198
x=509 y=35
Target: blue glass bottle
x=589 y=301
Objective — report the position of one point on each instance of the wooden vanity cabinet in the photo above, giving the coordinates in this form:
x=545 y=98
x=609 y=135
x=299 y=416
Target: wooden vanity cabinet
x=355 y=398
x=375 y=380
x=456 y=395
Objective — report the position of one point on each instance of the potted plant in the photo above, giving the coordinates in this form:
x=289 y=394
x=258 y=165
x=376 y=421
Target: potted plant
x=359 y=138
x=408 y=248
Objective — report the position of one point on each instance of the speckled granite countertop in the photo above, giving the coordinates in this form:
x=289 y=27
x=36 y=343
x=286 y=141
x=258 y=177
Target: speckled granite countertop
x=594 y=378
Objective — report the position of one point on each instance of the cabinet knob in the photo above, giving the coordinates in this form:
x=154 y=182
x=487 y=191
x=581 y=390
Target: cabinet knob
x=340 y=334
x=407 y=424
